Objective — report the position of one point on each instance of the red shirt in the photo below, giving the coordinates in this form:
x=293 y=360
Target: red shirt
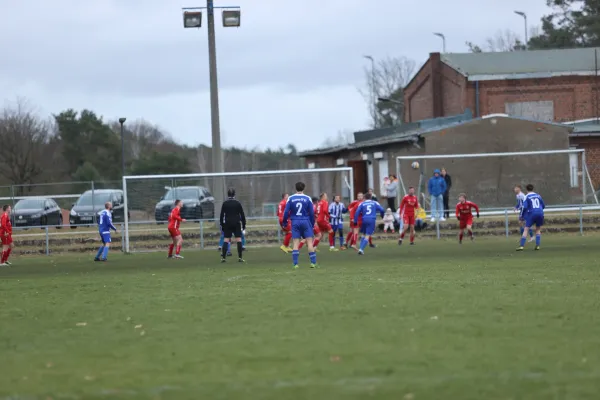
x=281 y=209
x=352 y=207
x=175 y=218
x=322 y=211
x=409 y=205
x=5 y=225
x=463 y=210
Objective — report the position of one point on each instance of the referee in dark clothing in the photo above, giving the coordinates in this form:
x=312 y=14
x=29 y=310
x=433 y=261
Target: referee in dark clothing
x=233 y=222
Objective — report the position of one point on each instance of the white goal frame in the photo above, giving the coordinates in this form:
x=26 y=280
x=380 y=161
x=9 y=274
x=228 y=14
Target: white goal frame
x=584 y=168
x=349 y=184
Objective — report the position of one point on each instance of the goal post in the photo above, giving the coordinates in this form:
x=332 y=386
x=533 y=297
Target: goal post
x=560 y=176
x=148 y=200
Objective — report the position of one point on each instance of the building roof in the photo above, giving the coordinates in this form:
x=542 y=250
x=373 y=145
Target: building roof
x=413 y=135
x=524 y=64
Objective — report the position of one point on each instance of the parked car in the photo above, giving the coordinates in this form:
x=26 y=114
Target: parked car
x=198 y=203
x=85 y=211
x=37 y=211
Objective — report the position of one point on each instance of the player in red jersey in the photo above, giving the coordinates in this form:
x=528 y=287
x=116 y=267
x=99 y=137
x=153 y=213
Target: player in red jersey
x=322 y=217
x=174 y=221
x=352 y=237
x=465 y=216
x=288 y=228
x=5 y=235
x=408 y=207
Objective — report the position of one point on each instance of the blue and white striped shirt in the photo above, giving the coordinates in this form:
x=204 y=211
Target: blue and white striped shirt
x=336 y=211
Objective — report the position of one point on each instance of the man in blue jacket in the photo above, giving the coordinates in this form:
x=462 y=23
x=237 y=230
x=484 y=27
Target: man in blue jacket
x=437 y=188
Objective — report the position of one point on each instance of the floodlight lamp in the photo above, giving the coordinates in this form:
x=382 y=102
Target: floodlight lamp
x=231 y=18
x=122 y=120
x=192 y=19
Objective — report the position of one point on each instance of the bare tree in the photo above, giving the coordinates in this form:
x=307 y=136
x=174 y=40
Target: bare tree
x=342 y=138
x=143 y=136
x=502 y=41
x=387 y=80
x=23 y=140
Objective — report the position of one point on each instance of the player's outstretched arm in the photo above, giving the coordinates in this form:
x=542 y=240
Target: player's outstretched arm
x=311 y=214
x=222 y=214
x=242 y=216
x=457 y=212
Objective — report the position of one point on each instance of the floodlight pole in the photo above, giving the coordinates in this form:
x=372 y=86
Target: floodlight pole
x=441 y=35
x=122 y=122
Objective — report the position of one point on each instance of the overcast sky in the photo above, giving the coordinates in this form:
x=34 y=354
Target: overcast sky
x=290 y=74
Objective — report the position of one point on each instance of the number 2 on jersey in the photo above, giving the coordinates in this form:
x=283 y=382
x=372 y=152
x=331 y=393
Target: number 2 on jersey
x=299 y=209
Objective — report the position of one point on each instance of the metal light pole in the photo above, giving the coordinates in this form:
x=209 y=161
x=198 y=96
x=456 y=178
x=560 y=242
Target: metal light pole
x=522 y=14
x=443 y=40
x=122 y=122
x=373 y=90
x=192 y=18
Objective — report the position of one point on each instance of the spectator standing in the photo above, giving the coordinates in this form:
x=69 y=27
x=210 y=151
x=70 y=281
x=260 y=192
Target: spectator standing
x=392 y=192
x=437 y=188
x=448 y=180
x=372 y=192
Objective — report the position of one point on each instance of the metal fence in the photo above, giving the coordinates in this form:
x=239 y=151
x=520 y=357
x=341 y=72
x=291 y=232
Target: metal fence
x=261 y=232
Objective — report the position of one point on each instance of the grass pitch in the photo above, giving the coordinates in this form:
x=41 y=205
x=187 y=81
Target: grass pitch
x=433 y=321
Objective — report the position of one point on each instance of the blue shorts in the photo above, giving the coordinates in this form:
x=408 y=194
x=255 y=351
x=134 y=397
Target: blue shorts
x=302 y=230
x=105 y=238
x=337 y=227
x=536 y=219
x=368 y=227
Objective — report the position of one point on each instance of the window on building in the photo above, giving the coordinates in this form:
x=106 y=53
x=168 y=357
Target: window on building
x=536 y=110
x=574 y=168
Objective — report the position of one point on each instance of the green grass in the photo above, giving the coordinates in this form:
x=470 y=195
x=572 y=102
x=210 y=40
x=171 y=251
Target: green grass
x=434 y=321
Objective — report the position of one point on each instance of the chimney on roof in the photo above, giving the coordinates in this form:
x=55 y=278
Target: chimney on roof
x=437 y=91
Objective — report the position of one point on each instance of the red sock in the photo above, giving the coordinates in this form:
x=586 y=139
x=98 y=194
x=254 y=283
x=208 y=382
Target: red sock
x=8 y=254
x=3 y=258
x=354 y=239
x=460 y=236
x=370 y=240
x=470 y=234
x=316 y=243
x=171 y=249
x=349 y=238
x=286 y=240
x=332 y=239
x=402 y=235
x=178 y=249
x=301 y=244
x=412 y=238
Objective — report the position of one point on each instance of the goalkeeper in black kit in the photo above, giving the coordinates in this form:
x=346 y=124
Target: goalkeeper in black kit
x=233 y=223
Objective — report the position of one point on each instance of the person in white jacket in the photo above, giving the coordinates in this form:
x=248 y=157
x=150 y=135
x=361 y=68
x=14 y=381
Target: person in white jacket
x=388 y=221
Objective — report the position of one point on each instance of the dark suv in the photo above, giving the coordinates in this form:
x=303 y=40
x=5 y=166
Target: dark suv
x=198 y=203
x=85 y=211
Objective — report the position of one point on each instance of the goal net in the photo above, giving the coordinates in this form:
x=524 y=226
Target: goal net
x=560 y=176
x=148 y=200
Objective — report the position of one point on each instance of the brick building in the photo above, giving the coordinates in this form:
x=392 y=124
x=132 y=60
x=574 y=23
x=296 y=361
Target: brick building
x=488 y=180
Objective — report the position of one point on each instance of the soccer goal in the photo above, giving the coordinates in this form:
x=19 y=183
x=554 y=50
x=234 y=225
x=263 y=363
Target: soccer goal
x=560 y=176
x=148 y=200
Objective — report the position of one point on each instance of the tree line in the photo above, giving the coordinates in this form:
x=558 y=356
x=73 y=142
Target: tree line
x=82 y=146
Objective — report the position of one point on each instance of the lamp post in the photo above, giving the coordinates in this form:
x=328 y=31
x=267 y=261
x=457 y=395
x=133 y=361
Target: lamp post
x=443 y=40
x=192 y=18
x=122 y=122
x=373 y=90
x=522 y=14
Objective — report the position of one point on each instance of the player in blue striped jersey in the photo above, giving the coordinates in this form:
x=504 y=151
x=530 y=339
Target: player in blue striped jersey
x=336 y=218
x=533 y=214
x=519 y=207
x=300 y=210
x=105 y=225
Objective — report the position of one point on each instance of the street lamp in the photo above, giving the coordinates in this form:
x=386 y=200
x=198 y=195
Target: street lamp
x=122 y=122
x=192 y=18
x=522 y=14
x=443 y=40
x=373 y=89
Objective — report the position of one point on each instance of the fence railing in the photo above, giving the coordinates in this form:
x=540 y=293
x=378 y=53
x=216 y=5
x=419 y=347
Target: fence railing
x=204 y=234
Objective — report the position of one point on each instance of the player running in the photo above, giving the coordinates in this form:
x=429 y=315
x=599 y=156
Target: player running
x=6 y=236
x=368 y=209
x=519 y=207
x=302 y=215
x=533 y=214
x=354 y=227
x=105 y=225
x=285 y=247
x=464 y=215
x=175 y=221
x=337 y=209
x=408 y=208
x=323 y=217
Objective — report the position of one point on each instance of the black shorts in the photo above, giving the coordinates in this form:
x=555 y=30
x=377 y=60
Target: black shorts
x=233 y=230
